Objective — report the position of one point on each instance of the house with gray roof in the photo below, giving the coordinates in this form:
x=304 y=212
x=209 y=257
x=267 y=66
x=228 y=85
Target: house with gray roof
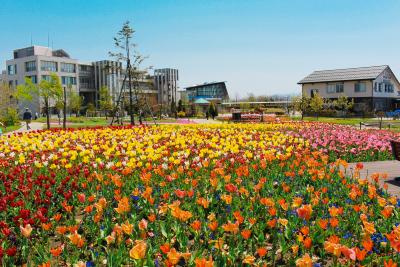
x=374 y=88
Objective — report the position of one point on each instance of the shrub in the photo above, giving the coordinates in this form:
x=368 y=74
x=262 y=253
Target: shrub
x=200 y=114
x=10 y=117
x=276 y=111
x=181 y=114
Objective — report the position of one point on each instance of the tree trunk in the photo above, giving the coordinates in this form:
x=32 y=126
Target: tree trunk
x=46 y=104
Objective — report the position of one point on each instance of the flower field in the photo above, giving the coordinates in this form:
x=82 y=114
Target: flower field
x=195 y=195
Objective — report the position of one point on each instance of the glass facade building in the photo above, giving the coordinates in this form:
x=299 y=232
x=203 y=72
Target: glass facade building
x=210 y=91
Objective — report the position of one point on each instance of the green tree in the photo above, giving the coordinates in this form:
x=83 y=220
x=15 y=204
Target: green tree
x=301 y=104
x=105 y=101
x=180 y=105
x=251 y=97
x=75 y=102
x=46 y=90
x=343 y=104
x=212 y=110
x=316 y=104
x=90 y=109
x=173 y=107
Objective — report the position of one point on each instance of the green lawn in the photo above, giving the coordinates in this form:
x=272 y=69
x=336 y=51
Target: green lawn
x=345 y=121
x=11 y=128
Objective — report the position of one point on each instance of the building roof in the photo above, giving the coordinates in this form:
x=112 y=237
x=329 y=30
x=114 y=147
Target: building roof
x=362 y=73
x=204 y=84
x=201 y=101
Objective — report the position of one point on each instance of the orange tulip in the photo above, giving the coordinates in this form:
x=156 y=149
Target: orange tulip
x=304 y=261
x=305 y=230
x=173 y=256
x=249 y=260
x=334 y=222
x=360 y=254
x=204 y=263
x=46 y=226
x=304 y=212
x=46 y=264
x=165 y=248
x=323 y=223
x=123 y=206
x=262 y=251
x=231 y=227
x=389 y=263
x=56 y=251
x=307 y=243
x=57 y=217
x=139 y=250
x=127 y=228
x=213 y=225
x=387 y=211
x=26 y=231
x=271 y=223
x=196 y=225
x=246 y=234
x=143 y=224
x=369 y=227
x=368 y=244
x=77 y=240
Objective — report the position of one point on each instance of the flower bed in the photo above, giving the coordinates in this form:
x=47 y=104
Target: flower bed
x=347 y=142
x=191 y=195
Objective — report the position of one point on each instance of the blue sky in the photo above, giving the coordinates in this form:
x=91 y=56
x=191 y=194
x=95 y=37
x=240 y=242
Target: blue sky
x=263 y=47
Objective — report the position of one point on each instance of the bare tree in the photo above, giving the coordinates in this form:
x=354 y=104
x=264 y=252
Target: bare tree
x=134 y=74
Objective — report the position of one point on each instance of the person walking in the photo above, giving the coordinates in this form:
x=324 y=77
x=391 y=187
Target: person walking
x=27 y=117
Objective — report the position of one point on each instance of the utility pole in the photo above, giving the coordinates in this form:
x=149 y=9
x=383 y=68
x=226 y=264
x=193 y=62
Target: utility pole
x=65 y=109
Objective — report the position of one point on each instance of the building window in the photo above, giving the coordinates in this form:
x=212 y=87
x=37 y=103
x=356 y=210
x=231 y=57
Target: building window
x=30 y=66
x=46 y=77
x=33 y=78
x=360 y=87
x=380 y=87
x=331 y=88
x=339 y=88
x=314 y=92
x=388 y=87
x=68 y=67
x=68 y=80
x=48 y=66
x=12 y=69
x=10 y=84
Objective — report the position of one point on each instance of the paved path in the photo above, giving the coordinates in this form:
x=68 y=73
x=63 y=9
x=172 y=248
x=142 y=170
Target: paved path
x=390 y=167
x=34 y=126
x=205 y=121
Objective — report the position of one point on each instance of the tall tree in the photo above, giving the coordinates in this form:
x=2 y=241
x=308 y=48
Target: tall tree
x=173 y=107
x=301 y=104
x=6 y=97
x=46 y=90
x=212 y=110
x=316 y=104
x=180 y=105
x=105 y=101
x=75 y=102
